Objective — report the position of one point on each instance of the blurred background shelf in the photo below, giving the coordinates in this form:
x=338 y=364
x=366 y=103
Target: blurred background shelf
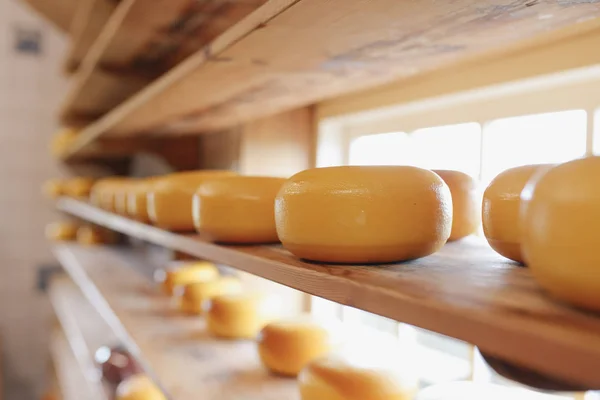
x=175 y=349
x=84 y=330
x=249 y=72
x=139 y=42
x=465 y=291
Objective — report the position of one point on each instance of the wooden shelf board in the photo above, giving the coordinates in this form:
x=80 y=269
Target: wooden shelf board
x=174 y=349
x=290 y=53
x=84 y=330
x=140 y=41
x=466 y=291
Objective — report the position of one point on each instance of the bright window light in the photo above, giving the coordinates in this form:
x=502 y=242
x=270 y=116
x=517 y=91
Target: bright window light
x=533 y=139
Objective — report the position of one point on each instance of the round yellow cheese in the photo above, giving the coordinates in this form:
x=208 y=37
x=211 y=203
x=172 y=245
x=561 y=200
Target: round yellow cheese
x=61 y=231
x=186 y=273
x=170 y=198
x=561 y=221
x=238 y=315
x=239 y=209
x=287 y=346
x=334 y=378
x=138 y=387
x=62 y=141
x=466 y=203
x=136 y=198
x=103 y=192
x=89 y=235
x=53 y=188
x=196 y=294
x=501 y=210
x=364 y=214
x=79 y=188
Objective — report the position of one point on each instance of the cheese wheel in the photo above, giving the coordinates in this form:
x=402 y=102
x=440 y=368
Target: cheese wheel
x=103 y=192
x=139 y=387
x=561 y=221
x=62 y=141
x=89 y=235
x=466 y=203
x=170 y=199
x=79 y=188
x=501 y=210
x=196 y=294
x=334 y=378
x=53 y=188
x=238 y=315
x=364 y=214
x=187 y=273
x=237 y=209
x=61 y=231
x=287 y=346
x=136 y=200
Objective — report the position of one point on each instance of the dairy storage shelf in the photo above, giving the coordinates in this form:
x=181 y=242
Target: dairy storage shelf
x=174 y=349
x=466 y=291
x=275 y=59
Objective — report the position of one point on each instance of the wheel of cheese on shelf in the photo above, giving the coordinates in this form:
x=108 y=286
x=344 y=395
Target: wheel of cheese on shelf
x=78 y=188
x=238 y=209
x=137 y=200
x=364 y=214
x=89 y=235
x=466 y=203
x=239 y=315
x=186 y=273
x=196 y=294
x=62 y=141
x=53 y=188
x=103 y=192
x=62 y=231
x=170 y=198
x=120 y=196
x=335 y=378
x=139 y=387
x=561 y=225
x=501 y=210
x=287 y=346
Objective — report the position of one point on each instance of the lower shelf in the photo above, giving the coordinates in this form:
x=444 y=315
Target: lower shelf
x=174 y=349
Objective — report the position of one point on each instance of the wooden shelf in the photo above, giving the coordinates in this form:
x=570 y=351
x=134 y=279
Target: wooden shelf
x=176 y=350
x=466 y=291
x=289 y=53
x=84 y=330
x=139 y=42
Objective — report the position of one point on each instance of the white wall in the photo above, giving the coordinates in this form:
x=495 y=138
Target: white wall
x=31 y=88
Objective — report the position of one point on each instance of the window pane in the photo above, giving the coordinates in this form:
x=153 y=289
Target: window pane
x=382 y=149
x=533 y=139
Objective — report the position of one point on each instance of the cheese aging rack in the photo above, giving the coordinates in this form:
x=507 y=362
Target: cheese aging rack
x=269 y=87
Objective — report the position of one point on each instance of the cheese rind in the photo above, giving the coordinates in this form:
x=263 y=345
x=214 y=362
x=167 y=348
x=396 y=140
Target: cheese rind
x=466 y=203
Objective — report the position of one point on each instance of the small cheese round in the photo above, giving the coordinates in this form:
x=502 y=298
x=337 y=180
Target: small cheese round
x=79 y=188
x=186 y=273
x=364 y=214
x=53 y=188
x=238 y=315
x=501 y=210
x=62 y=141
x=287 y=346
x=334 y=378
x=89 y=235
x=170 y=198
x=139 y=387
x=136 y=200
x=239 y=209
x=61 y=231
x=196 y=294
x=561 y=221
x=103 y=192
x=466 y=203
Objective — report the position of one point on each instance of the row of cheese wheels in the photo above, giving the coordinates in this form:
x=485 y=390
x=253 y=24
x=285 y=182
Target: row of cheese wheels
x=84 y=234
x=388 y=214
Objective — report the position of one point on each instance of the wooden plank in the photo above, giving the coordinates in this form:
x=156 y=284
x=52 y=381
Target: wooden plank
x=59 y=12
x=84 y=330
x=143 y=39
x=87 y=25
x=310 y=50
x=176 y=349
x=466 y=291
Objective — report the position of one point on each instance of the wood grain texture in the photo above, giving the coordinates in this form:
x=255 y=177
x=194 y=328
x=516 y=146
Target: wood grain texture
x=176 y=350
x=84 y=330
x=140 y=41
x=314 y=50
x=466 y=291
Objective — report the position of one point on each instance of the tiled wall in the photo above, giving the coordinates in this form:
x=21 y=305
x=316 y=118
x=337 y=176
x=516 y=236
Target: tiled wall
x=31 y=89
